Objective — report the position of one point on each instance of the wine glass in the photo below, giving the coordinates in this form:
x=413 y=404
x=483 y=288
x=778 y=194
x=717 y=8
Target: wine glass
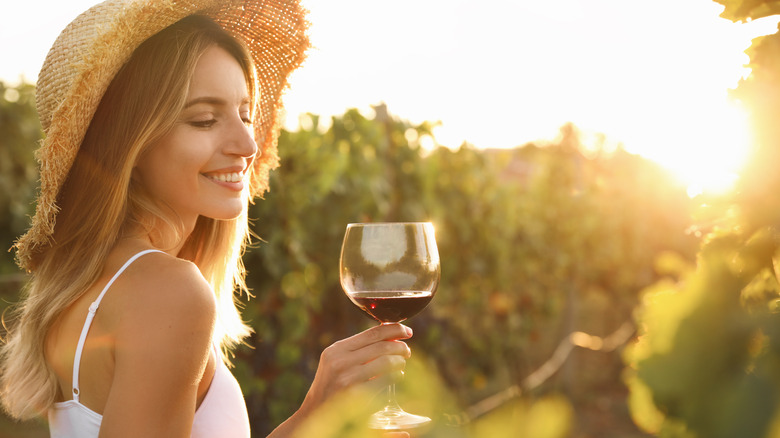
x=391 y=271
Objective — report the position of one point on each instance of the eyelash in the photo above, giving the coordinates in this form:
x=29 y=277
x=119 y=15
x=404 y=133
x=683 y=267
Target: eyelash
x=209 y=123
x=203 y=123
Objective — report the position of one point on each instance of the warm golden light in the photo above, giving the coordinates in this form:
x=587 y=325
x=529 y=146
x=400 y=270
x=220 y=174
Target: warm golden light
x=709 y=158
x=651 y=76
x=652 y=80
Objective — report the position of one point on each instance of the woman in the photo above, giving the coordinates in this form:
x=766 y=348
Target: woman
x=153 y=113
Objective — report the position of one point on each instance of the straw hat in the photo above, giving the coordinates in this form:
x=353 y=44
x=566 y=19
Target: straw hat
x=91 y=50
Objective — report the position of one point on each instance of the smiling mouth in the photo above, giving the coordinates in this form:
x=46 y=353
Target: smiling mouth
x=231 y=177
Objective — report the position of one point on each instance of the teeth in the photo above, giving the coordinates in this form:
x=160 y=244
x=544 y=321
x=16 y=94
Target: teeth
x=226 y=177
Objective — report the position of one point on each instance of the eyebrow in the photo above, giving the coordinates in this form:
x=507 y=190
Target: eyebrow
x=216 y=101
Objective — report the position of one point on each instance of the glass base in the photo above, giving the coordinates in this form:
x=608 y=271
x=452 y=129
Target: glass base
x=396 y=419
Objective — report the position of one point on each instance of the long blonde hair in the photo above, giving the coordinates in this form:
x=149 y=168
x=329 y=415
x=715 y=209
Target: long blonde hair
x=100 y=201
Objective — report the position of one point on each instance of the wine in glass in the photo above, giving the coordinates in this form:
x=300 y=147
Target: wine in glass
x=391 y=271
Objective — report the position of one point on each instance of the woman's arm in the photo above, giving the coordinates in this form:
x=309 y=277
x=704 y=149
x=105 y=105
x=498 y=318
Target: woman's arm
x=353 y=361
x=162 y=346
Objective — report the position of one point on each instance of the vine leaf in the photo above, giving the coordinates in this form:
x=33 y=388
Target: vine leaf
x=744 y=10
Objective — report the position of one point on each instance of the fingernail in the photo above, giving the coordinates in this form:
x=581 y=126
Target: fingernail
x=409 y=331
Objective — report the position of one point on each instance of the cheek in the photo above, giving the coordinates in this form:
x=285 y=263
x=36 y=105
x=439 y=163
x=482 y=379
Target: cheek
x=166 y=171
x=180 y=155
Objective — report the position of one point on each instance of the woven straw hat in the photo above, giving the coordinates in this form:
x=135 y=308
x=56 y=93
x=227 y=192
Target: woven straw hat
x=91 y=50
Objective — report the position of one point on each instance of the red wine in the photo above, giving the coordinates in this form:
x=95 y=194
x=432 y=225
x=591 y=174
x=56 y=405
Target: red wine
x=391 y=306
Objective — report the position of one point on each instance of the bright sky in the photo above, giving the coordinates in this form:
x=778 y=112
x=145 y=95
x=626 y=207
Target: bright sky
x=652 y=75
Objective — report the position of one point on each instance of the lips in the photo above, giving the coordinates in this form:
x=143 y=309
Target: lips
x=230 y=177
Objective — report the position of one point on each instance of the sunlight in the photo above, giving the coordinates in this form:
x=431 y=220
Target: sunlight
x=650 y=80
x=708 y=154
x=509 y=79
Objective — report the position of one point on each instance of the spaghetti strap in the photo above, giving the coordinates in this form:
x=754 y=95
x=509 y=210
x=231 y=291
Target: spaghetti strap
x=91 y=315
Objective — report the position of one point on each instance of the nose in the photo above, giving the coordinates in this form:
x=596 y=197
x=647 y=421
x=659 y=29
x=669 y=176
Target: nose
x=241 y=139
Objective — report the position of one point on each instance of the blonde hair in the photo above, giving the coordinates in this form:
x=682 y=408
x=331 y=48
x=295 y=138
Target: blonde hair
x=100 y=202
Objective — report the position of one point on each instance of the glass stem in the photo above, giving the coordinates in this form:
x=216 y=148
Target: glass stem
x=392 y=404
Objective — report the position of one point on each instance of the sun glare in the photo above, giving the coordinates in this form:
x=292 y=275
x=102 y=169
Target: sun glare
x=707 y=156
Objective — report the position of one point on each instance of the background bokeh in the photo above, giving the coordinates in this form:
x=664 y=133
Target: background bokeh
x=535 y=242
x=585 y=292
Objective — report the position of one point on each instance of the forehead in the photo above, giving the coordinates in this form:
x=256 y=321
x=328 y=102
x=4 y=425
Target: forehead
x=218 y=74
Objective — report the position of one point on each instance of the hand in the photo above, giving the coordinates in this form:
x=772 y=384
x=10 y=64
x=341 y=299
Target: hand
x=374 y=353
x=369 y=356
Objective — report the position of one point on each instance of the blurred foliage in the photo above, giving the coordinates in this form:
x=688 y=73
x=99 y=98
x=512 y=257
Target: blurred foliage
x=20 y=131
x=535 y=242
x=707 y=363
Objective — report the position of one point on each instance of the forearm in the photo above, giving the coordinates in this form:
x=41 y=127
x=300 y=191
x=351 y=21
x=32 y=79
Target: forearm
x=288 y=428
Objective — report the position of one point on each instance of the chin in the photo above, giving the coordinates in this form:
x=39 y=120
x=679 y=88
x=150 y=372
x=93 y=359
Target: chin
x=226 y=216
x=225 y=212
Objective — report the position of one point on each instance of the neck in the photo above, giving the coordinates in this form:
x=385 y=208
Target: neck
x=163 y=236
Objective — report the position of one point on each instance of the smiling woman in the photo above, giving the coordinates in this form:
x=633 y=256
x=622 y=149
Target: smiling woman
x=211 y=142
x=161 y=118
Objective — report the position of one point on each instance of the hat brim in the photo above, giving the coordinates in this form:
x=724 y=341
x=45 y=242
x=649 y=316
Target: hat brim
x=92 y=49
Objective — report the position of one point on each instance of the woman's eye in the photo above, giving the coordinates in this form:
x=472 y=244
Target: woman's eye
x=203 y=123
x=247 y=121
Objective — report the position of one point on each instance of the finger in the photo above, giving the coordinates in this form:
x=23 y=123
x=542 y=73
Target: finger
x=379 y=384
x=374 y=387
x=370 y=372
x=381 y=366
x=339 y=358
x=384 y=332
x=391 y=378
x=377 y=349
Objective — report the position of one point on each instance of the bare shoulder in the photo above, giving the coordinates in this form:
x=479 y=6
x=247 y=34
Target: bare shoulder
x=165 y=280
x=159 y=292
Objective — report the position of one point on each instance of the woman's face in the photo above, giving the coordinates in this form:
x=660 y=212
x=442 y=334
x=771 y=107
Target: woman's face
x=199 y=167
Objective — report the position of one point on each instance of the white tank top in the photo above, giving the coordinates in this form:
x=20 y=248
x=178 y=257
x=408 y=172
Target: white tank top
x=222 y=413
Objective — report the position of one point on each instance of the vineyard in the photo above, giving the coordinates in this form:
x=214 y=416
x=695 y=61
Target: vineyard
x=536 y=242
x=583 y=293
